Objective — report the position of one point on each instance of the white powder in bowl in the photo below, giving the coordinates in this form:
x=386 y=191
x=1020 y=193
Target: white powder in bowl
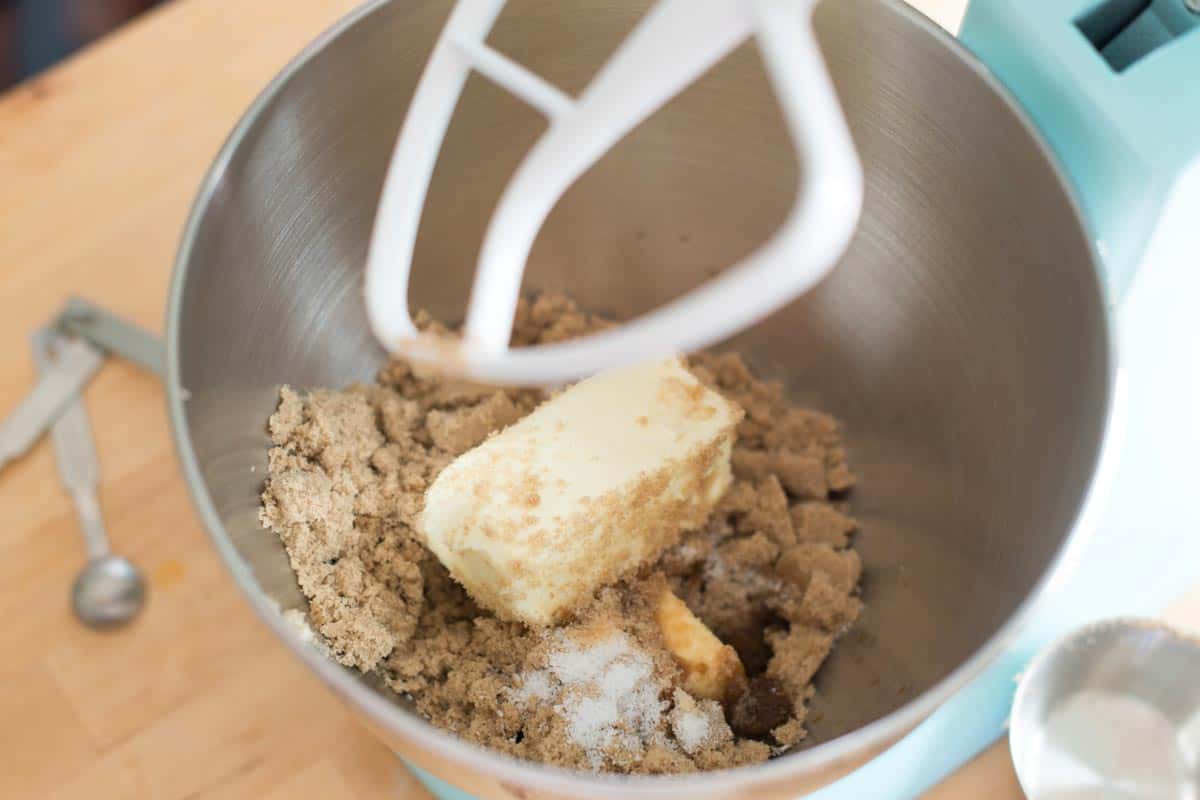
x=299 y=622
x=607 y=693
x=692 y=730
x=697 y=725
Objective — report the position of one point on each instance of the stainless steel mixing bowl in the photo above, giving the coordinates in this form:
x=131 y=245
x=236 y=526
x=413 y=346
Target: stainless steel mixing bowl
x=963 y=341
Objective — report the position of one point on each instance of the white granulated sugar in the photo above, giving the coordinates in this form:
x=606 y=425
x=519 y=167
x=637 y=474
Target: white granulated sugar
x=622 y=677
x=1095 y=741
x=592 y=723
x=697 y=724
x=716 y=567
x=536 y=686
x=692 y=729
x=299 y=622
x=576 y=666
x=606 y=693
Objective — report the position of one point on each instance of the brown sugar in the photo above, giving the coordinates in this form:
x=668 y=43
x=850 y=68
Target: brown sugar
x=771 y=573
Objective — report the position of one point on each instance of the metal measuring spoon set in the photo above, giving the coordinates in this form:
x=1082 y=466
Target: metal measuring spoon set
x=109 y=590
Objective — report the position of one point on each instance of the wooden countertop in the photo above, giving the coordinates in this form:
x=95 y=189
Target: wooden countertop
x=99 y=161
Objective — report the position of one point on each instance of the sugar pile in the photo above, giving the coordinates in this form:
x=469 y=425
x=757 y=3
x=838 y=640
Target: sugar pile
x=698 y=724
x=605 y=690
x=692 y=730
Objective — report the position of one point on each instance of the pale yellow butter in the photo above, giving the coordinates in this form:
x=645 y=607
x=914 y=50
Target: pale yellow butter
x=596 y=481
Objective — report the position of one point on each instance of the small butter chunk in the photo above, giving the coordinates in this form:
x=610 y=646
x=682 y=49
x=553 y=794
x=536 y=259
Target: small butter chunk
x=709 y=666
x=596 y=481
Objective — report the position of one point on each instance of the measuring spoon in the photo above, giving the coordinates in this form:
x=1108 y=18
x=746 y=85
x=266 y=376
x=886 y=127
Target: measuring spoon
x=109 y=591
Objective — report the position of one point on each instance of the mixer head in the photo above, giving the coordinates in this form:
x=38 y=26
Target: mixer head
x=669 y=49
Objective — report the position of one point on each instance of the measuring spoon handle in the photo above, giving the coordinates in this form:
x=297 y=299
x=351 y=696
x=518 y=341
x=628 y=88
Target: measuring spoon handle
x=59 y=383
x=113 y=334
x=75 y=449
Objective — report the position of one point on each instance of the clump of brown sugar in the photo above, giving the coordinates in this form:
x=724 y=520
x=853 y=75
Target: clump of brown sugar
x=771 y=573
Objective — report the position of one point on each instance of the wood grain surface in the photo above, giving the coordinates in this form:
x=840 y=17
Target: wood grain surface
x=99 y=160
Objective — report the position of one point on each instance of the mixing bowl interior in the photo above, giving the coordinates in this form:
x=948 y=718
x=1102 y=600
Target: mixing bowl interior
x=962 y=340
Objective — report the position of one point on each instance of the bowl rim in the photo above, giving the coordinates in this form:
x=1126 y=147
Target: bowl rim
x=870 y=739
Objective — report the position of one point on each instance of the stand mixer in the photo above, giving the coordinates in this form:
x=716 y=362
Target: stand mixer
x=965 y=338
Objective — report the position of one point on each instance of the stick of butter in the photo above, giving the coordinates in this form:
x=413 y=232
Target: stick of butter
x=595 y=482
